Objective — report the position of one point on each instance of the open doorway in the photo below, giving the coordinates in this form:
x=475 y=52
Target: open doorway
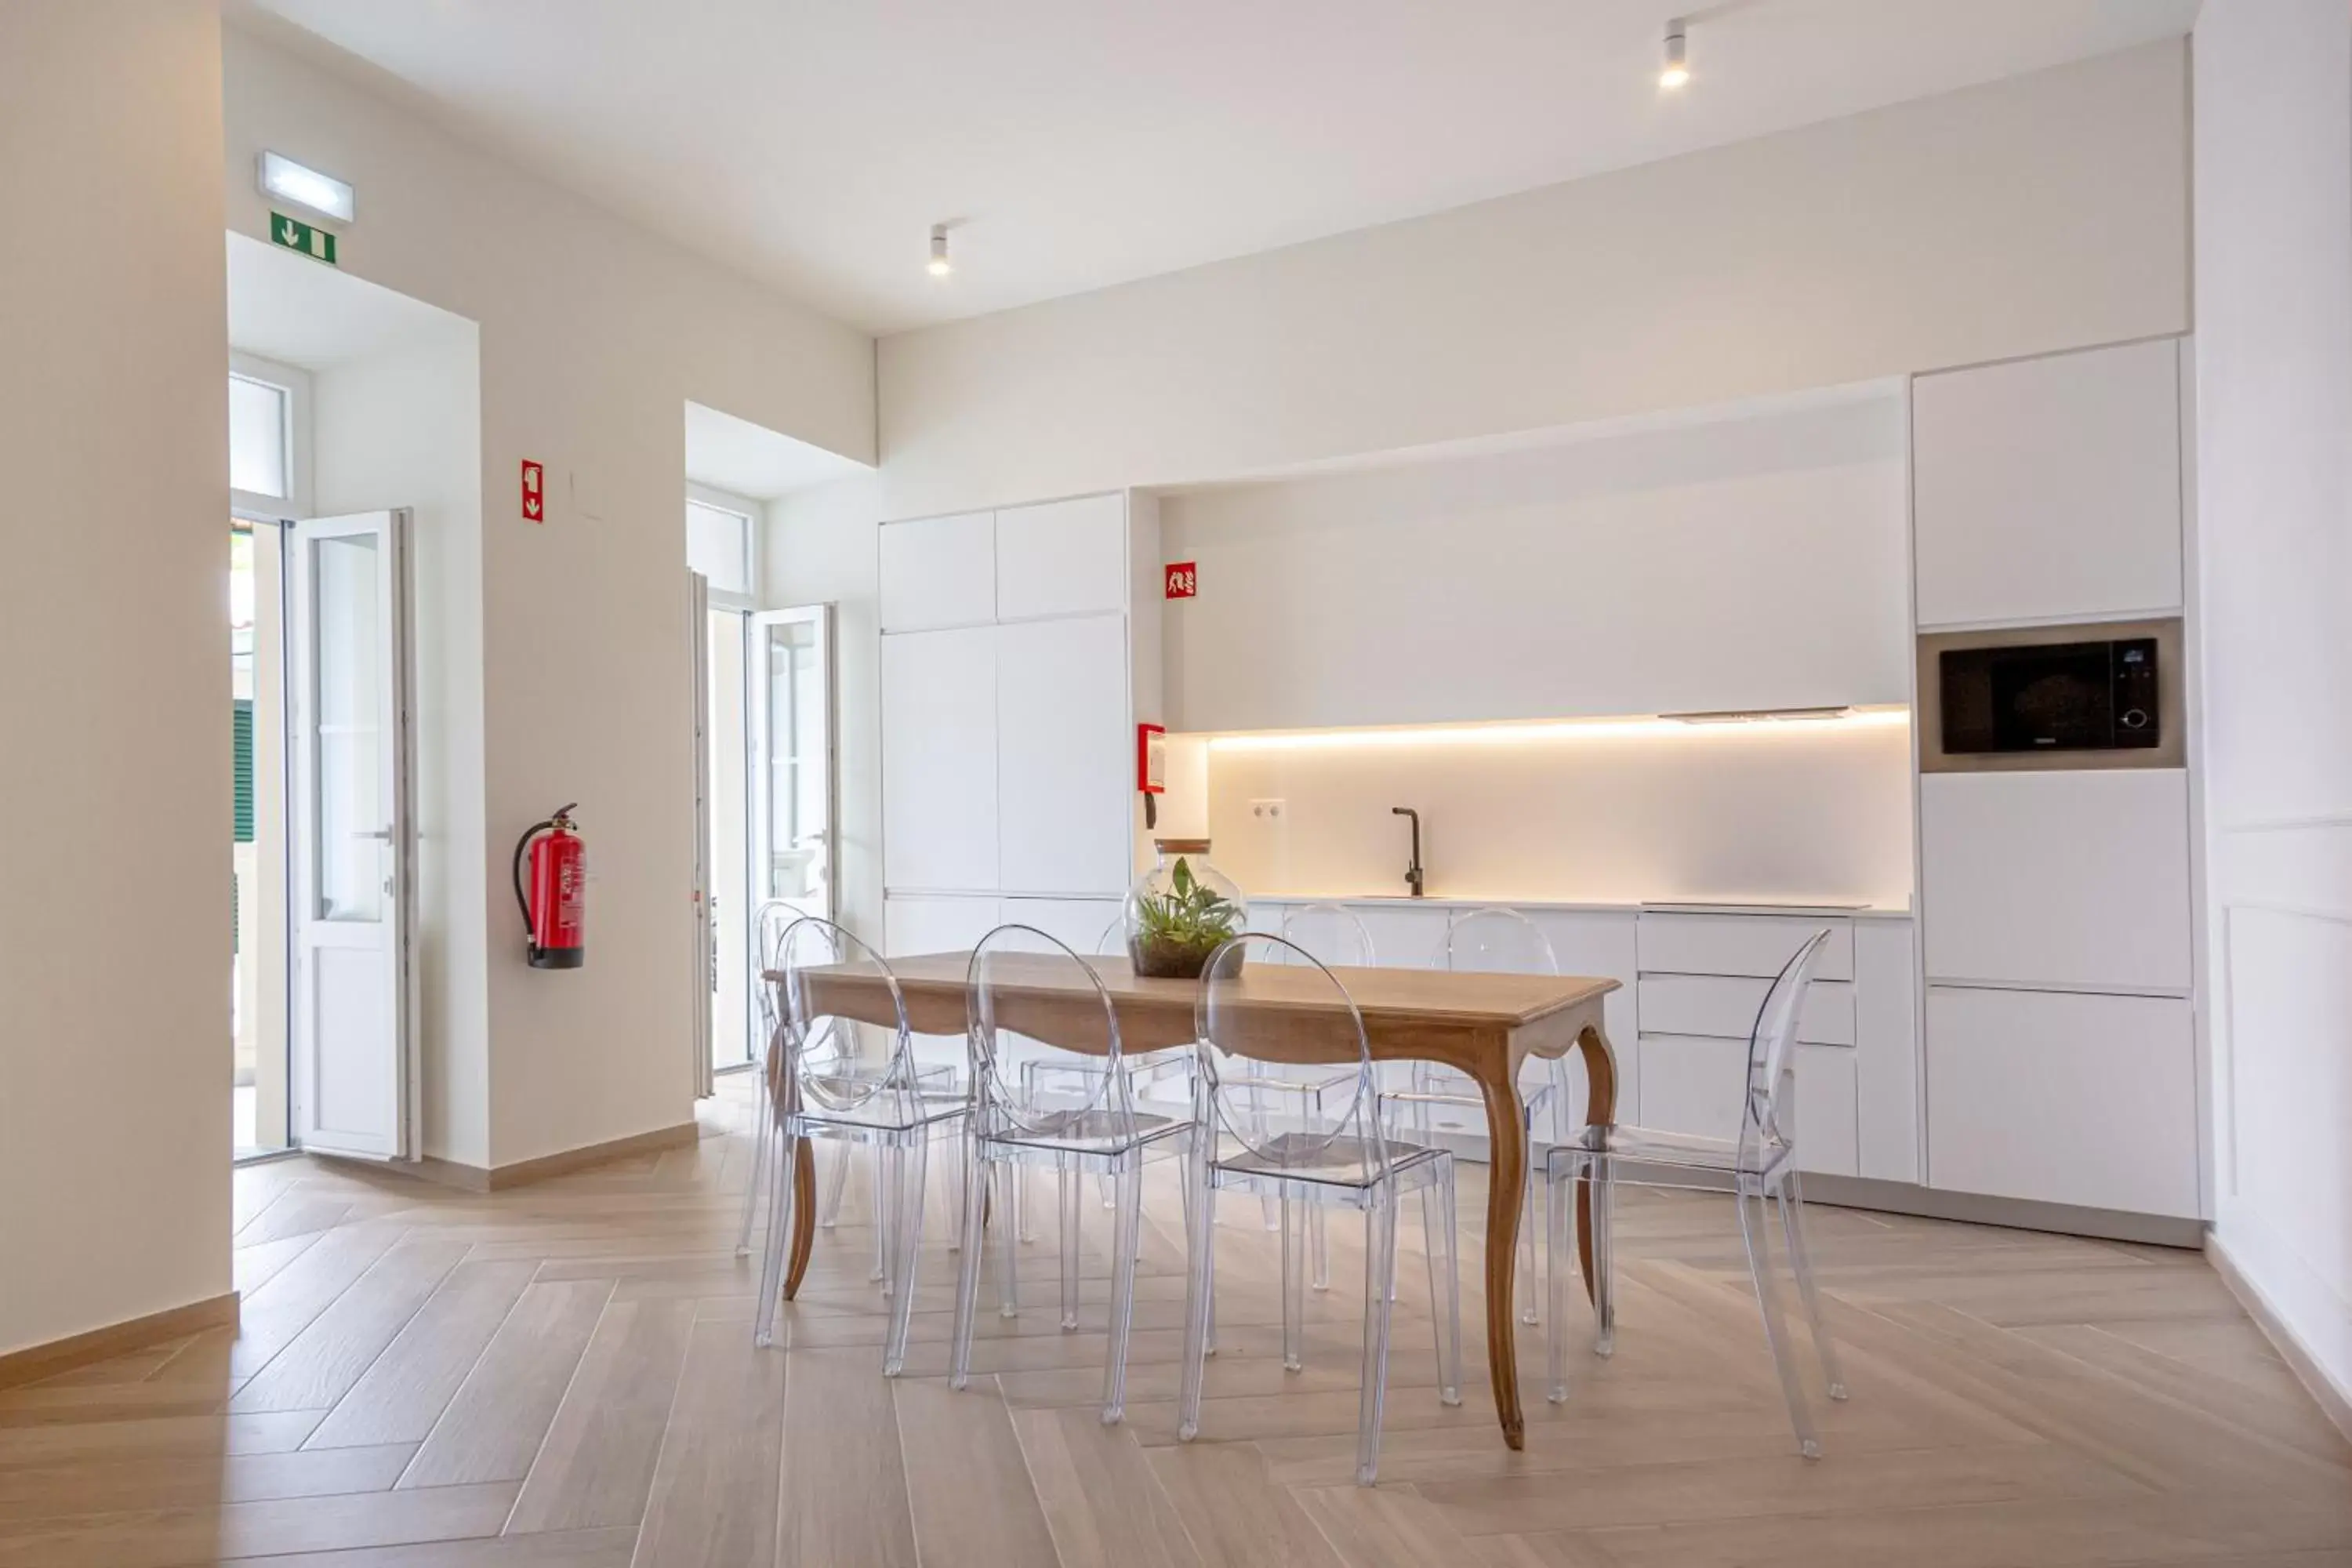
x=765 y=735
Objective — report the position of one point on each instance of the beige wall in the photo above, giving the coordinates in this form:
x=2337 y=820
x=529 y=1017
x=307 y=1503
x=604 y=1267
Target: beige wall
x=114 y=783
x=593 y=335
x=2275 y=559
x=2038 y=213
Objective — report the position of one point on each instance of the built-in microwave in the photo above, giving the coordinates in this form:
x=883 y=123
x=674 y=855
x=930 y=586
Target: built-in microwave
x=2098 y=696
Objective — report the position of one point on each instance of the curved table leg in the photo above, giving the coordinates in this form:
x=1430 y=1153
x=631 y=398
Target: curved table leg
x=803 y=1214
x=1600 y=1110
x=1506 y=1129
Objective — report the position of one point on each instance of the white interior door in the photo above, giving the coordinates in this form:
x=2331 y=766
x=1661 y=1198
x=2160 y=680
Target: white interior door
x=705 y=948
x=795 y=839
x=355 y=1077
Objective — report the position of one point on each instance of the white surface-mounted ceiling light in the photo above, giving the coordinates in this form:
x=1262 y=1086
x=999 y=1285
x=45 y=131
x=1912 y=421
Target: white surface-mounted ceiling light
x=1676 y=70
x=941 y=265
x=305 y=187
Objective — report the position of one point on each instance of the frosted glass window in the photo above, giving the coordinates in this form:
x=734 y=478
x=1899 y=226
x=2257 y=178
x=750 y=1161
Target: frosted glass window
x=256 y=438
x=352 y=811
x=719 y=546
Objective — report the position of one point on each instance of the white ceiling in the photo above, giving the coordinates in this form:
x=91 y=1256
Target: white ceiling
x=1079 y=143
x=285 y=307
x=753 y=461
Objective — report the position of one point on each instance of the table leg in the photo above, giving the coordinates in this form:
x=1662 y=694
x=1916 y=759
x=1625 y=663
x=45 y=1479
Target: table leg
x=1506 y=1175
x=803 y=1214
x=1600 y=1110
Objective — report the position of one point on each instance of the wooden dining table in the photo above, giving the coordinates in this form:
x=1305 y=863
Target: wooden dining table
x=1484 y=1026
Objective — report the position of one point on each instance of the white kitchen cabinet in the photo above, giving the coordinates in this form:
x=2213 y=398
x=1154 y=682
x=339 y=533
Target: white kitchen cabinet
x=939 y=571
x=2048 y=489
x=1887 y=1050
x=2071 y=879
x=1064 y=757
x=1404 y=935
x=940 y=761
x=1698 y=1084
x=936 y=922
x=1085 y=926
x=1062 y=558
x=1727 y=1006
x=2064 y=1098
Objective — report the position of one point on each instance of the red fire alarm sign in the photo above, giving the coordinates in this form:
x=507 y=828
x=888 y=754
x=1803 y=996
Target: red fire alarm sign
x=534 y=491
x=1184 y=579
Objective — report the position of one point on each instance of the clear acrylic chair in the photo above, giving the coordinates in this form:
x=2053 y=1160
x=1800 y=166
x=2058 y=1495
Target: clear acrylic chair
x=1444 y=1099
x=841 y=1080
x=1023 y=987
x=1760 y=1166
x=1146 y=1071
x=768 y=925
x=1330 y=1154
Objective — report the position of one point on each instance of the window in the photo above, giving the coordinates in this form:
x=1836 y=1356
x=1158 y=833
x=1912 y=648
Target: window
x=257 y=438
x=718 y=544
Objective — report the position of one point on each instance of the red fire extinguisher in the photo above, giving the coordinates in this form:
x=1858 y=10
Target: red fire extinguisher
x=554 y=909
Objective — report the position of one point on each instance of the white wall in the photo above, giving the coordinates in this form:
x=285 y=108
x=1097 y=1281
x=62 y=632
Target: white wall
x=1755 y=561
x=2273 y=225
x=593 y=336
x=1779 y=814
x=820 y=547
x=402 y=427
x=2038 y=212
x=114 y=782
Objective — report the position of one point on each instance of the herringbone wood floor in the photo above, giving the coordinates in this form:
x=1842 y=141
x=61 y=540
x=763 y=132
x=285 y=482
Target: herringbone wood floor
x=562 y=1374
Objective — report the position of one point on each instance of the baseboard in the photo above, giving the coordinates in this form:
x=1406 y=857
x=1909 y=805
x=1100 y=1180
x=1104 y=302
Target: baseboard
x=2334 y=1402
x=37 y=1362
x=2016 y=1214
x=522 y=1173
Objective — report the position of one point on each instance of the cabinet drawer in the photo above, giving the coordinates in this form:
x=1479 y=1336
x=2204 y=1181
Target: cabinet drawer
x=1757 y=945
x=1691 y=1084
x=939 y=571
x=1087 y=927
x=942 y=924
x=1062 y=558
x=2067 y=1099
x=1726 y=1008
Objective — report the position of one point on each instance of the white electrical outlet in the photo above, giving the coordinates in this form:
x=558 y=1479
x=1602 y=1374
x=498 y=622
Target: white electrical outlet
x=1266 y=810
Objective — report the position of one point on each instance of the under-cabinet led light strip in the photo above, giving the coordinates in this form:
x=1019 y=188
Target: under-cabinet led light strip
x=1762 y=721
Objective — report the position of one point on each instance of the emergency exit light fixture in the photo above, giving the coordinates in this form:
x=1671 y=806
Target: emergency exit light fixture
x=288 y=181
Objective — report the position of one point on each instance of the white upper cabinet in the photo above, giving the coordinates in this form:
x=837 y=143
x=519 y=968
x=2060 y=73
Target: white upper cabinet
x=1062 y=558
x=940 y=761
x=1064 y=756
x=2048 y=489
x=2057 y=878
x=939 y=571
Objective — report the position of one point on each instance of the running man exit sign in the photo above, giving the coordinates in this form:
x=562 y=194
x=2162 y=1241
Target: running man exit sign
x=309 y=238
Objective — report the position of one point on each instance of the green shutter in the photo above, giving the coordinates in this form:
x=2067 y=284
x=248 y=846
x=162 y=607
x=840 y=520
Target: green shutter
x=243 y=722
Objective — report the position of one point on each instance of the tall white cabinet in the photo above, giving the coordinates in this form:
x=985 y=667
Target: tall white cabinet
x=2057 y=905
x=1020 y=650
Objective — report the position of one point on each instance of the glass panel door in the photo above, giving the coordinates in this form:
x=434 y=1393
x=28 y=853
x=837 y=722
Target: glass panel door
x=794 y=843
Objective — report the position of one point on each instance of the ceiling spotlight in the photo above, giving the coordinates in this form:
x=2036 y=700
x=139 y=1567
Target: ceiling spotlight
x=941 y=265
x=1677 y=66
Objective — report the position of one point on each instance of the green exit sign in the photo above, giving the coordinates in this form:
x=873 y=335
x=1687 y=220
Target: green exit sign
x=309 y=238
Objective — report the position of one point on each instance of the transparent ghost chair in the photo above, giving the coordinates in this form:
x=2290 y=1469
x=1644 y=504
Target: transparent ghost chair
x=851 y=1081
x=1029 y=998
x=1146 y=1071
x=1333 y=1153
x=1444 y=1099
x=1760 y=1166
x=768 y=925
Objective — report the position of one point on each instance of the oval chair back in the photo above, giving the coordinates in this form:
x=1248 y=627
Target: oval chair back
x=1318 y=1023
x=1769 y=1117
x=1027 y=995
x=836 y=1064
x=1499 y=942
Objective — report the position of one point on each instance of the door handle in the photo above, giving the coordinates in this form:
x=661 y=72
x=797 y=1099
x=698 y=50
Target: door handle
x=382 y=835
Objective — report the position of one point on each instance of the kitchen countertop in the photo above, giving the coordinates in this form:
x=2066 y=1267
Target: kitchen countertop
x=1679 y=907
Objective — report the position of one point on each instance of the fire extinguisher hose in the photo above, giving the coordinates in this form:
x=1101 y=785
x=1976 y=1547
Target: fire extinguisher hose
x=522 y=844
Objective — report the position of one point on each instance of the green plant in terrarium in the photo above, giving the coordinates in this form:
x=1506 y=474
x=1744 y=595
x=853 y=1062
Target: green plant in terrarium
x=1175 y=931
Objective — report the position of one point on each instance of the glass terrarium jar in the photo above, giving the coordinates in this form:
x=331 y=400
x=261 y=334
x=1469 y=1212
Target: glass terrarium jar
x=1180 y=911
